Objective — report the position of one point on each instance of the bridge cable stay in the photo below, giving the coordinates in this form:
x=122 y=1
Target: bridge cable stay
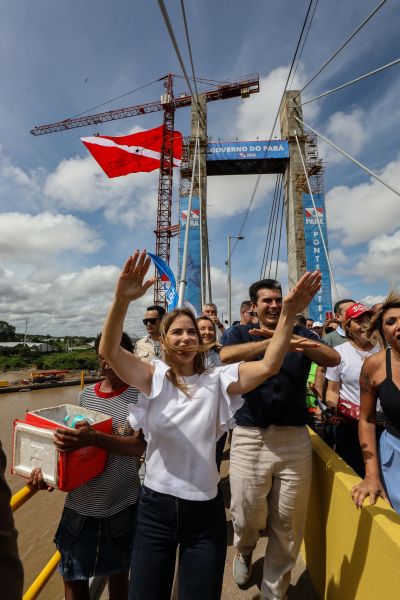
x=202 y=290
x=344 y=85
x=273 y=221
x=354 y=160
x=304 y=43
x=343 y=45
x=318 y=223
x=189 y=45
x=272 y=131
x=278 y=211
x=280 y=237
x=205 y=260
x=172 y=36
x=264 y=259
x=182 y=282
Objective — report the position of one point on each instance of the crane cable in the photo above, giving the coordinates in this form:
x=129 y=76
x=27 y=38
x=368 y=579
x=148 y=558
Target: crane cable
x=318 y=221
x=343 y=45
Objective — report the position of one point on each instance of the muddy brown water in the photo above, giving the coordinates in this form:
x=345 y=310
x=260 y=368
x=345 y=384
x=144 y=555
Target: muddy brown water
x=38 y=518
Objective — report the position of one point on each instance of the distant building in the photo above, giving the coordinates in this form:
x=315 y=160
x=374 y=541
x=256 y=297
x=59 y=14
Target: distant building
x=41 y=346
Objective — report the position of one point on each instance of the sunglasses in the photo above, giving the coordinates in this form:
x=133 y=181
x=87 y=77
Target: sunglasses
x=151 y=321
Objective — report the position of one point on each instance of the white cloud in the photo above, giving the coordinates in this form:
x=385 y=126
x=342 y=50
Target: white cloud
x=346 y=130
x=229 y=195
x=29 y=238
x=382 y=259
x=365 y=210
x=371 y=300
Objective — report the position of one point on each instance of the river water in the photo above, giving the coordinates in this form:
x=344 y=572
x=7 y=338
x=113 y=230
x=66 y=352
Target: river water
x=36 y=520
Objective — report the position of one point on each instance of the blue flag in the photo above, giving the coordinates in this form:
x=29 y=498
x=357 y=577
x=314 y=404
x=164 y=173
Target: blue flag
x=168 y=281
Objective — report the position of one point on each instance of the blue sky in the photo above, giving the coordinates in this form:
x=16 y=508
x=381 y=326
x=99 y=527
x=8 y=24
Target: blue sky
x=66 y=229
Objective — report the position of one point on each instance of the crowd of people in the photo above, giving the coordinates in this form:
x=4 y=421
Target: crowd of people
x=174 y=395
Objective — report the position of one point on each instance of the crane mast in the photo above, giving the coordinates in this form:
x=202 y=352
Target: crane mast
x=242 y=87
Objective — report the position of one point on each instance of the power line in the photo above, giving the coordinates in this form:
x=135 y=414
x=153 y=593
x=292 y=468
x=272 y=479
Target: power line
x=344 y=85
x=343 y=45
x=273 y=127
x=355 y=161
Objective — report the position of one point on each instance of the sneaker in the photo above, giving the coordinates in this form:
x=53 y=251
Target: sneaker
x=242 y=568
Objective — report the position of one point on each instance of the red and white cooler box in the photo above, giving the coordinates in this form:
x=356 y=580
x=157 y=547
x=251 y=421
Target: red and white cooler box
x=33 y=447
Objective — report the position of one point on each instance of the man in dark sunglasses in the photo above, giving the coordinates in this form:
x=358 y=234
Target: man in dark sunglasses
x=149 y=346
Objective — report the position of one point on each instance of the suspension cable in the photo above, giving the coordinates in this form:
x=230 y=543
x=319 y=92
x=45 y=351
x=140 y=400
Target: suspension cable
x=343 y=45
x=318 y=222
x=344 y=85
x=272 y=224
x=304 y=43
x=355 y=161
x=273 y=129
x=280 y=236
x=279 y=197
x=189 y=45
x=268 y=232
x=168 y=24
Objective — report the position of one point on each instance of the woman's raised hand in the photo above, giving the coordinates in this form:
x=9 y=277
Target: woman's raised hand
x=303 y=292
x=130 y=284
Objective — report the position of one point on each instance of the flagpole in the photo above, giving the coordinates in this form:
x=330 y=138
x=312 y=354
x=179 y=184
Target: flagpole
x=182 y=281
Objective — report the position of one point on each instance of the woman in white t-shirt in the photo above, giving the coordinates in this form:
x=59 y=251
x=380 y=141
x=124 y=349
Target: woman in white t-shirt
x=344 y=386
x=183 y=409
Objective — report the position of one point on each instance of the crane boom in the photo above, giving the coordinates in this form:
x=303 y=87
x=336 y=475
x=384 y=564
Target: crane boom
x=232 y=89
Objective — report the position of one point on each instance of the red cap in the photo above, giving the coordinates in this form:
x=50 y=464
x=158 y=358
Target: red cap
x=355 y=310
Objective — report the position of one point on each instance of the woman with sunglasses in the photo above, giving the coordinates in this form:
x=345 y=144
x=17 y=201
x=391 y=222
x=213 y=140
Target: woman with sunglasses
x=183 y=408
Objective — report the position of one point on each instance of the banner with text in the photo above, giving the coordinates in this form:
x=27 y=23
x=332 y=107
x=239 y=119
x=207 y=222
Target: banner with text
x=258 y=149
x=193 y=268
x=315 y=254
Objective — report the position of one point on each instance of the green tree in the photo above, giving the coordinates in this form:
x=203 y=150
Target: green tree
x=7 y=332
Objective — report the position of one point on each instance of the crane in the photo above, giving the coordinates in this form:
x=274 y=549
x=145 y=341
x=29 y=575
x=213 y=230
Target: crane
x=233 y=88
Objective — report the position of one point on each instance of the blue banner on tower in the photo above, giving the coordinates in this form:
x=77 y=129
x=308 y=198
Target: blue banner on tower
x=258 y=149
x=315 y=253
x=193 y=267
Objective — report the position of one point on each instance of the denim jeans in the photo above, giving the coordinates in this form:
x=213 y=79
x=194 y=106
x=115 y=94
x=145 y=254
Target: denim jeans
x=165 y=523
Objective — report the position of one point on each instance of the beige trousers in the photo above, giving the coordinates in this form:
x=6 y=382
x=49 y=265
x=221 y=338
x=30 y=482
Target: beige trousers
x=270 y=474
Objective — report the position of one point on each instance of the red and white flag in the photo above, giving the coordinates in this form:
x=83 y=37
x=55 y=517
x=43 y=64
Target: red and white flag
x=133 y=153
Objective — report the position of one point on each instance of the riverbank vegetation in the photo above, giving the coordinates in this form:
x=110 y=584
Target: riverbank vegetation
x=22 y=357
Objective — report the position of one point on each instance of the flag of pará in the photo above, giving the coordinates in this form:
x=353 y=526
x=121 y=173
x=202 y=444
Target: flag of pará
x=168 y=281
x=133 y=153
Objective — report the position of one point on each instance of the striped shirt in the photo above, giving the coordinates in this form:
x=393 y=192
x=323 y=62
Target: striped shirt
x=118 y=485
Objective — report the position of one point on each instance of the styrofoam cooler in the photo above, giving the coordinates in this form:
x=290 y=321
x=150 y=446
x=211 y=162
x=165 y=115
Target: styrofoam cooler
x=33 y=447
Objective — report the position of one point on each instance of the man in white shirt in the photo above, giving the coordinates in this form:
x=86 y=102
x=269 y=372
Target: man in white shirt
x=148 y=346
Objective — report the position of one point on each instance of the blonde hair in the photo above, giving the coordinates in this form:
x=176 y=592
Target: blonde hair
x=375 y=328
x=201 y=349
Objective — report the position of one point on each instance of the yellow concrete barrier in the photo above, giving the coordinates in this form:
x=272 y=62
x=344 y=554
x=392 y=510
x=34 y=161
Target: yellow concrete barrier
x=350 y=554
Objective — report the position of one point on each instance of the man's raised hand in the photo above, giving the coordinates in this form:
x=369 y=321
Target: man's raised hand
x=303 y=292
x=131 y=284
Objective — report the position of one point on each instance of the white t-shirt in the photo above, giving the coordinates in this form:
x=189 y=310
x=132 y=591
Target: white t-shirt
x=348 y=371
x=181 y=431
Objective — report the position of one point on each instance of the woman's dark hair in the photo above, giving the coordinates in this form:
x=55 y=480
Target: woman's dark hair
x=125 y=343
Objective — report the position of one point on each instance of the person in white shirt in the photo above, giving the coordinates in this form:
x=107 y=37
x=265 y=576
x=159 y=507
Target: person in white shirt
x=183 y=408
x=343 y=382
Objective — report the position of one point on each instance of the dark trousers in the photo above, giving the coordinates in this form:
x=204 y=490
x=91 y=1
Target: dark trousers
x=198 y=528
